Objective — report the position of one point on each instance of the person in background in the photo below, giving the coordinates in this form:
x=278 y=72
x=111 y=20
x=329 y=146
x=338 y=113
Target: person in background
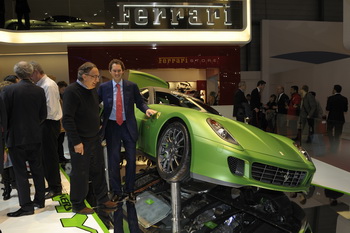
x=248 y=97
x=11 y=78
x=8 y=175
x=282 y=104
x=60 y=149
x=239 y=100
x=308 y=112
x=270 y=109
x=22 y=10
x=212 y=100
x=50 y=129
x=119 y=125
x=3 y=158
x=26 y=110
x=2 y=13
x=258 y=117
x=337 y=105
x=81 y=120
x=293 y=110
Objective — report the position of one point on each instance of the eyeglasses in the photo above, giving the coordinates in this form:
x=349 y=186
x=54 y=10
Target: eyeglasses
x=94 y=76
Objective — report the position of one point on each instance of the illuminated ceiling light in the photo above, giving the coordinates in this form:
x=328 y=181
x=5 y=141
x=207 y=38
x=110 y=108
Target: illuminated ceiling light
x=120 y=36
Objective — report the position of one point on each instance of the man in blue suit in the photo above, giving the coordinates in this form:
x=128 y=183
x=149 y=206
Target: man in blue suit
x=123 y=130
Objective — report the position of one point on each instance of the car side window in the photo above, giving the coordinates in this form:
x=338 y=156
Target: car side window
x=167 y=98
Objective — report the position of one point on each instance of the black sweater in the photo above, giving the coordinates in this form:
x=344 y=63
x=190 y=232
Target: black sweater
x=80 y=113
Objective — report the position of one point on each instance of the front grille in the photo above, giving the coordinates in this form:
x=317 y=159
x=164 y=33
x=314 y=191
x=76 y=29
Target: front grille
x=277 y=176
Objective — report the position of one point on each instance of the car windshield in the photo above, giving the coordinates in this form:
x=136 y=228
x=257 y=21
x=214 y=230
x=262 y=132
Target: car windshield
x=178 y=99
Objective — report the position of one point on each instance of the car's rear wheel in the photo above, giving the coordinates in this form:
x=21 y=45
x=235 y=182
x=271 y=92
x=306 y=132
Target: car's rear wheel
x=173 y=153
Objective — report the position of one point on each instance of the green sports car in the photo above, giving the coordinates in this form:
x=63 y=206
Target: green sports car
x=188 y=138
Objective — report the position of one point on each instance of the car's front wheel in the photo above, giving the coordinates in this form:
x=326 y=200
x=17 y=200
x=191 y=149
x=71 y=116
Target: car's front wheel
x=173 y=153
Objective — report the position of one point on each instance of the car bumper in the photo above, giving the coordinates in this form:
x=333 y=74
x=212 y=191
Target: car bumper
x=221 y=164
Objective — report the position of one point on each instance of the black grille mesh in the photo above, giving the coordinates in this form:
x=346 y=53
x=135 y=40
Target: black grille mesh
x=236 y=165
x=277 y=176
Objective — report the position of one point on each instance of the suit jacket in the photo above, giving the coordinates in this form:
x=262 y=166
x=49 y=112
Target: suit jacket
x=308 y=107
x=26 y=109
x=337 y=105
x=3 y=127
x=131 y=96
x=255 y=101
x=238 y=99
x=281 y=104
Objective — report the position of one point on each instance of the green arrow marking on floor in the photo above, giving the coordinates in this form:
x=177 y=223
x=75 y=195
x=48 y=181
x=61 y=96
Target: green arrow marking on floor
x=77 y=221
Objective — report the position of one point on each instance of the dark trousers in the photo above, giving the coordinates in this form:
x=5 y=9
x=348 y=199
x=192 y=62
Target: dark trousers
x=85 y=168
x=50 y=131
x=26 y=25
x=132 y=218
x=115 y=134
x=311 y=123
x=8 y=177
x=334 y=131
x=19 y=156
x=60 y=148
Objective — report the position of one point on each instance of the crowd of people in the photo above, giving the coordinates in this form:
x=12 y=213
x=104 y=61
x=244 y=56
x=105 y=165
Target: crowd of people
x=290 y=115
x=36 y=113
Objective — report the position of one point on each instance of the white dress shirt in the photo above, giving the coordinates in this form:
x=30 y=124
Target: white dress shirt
x=54 y=109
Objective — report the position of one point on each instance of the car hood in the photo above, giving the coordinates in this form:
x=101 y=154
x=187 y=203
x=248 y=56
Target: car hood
x=253 y=139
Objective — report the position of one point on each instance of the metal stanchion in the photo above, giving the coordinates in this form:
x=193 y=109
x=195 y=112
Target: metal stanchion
x=176 y=206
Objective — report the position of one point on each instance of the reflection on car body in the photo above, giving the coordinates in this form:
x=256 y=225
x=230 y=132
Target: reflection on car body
x=54 y=22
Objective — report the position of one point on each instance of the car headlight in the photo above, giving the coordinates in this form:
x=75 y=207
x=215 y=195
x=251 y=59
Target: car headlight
x=302 y=151
x=221 y=131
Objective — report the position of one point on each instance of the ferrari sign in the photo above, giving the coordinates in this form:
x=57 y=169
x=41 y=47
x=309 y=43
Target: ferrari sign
x=187 y=22
x=181 y=15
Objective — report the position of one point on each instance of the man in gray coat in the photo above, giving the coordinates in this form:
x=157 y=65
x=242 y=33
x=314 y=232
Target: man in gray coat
x=308 y=112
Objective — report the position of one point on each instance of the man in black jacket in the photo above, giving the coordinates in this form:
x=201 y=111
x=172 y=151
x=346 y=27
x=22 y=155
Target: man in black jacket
x=282 y=109
x=258 y=117
x=336 y=106
x=26 y=109
x=81 y=121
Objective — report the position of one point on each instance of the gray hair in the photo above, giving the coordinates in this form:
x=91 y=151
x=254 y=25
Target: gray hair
x=85 y=69
x=241 y=83
x=37 y=67
x=23 y=70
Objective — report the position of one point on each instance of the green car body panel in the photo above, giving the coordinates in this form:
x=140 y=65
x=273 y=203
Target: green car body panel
x=210 y=153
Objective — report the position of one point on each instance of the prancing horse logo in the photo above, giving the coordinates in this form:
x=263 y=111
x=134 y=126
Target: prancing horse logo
x=286 y=177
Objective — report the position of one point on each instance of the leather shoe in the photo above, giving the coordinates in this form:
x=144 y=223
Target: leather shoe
x=52 y=194
x=131 y=197
x=40 y=206
x=108 y=205
x=85 y=211
x=20 y=213
x=118 y=198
